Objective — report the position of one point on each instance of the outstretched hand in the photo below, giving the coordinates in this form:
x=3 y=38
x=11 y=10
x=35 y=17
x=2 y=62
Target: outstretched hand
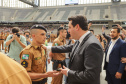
x=64 y=70
x=53 y=73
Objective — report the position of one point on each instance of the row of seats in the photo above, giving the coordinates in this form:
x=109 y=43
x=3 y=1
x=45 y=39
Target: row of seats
x=95 y=12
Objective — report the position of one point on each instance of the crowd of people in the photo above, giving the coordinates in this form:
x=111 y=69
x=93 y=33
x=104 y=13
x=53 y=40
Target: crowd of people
x=75 y=53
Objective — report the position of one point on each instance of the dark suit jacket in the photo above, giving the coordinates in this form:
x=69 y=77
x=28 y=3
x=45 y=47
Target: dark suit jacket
x=115 y=64
x=85 y=62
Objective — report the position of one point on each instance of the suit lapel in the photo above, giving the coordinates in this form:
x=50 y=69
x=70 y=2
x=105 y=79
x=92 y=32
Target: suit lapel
x=108 y=47
x=73 y=50
x=115 y=45
x=79 y=47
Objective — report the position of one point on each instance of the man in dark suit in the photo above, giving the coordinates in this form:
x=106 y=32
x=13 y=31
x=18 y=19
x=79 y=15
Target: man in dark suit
x=116 y=50
x=86 y=54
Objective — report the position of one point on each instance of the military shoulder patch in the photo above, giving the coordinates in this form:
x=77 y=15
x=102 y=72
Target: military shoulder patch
x=56 y=44
x=25 y=56
x=24 y=64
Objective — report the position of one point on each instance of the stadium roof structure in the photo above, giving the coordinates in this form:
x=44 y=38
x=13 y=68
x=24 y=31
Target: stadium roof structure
x=58 y=15
x=31 y=2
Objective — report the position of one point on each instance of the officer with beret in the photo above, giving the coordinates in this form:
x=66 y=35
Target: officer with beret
x=33 y=57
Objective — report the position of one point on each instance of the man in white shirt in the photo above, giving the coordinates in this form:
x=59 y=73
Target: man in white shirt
x=113 y=66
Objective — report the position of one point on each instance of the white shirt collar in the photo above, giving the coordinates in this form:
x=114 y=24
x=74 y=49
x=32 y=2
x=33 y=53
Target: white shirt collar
x=83 y=36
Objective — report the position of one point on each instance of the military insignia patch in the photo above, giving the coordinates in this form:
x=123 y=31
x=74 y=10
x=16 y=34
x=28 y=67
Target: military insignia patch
x=25 y=56
x=56 y=44
x=24 y=64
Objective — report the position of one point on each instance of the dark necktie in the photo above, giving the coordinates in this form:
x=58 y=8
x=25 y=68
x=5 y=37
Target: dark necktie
x=74 y=51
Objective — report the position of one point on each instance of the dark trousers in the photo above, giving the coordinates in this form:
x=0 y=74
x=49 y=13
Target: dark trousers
x=123 y=80
x=111 y=79
x=40 y=82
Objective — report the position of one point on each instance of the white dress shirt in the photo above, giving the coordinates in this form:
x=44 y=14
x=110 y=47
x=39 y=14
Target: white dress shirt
x=110 y=49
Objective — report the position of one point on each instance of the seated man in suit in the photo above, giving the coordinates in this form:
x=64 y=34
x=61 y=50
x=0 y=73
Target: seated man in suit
x=86 y=54
x=116 y=50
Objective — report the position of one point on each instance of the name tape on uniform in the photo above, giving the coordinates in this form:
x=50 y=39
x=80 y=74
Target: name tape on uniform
x=37 y=58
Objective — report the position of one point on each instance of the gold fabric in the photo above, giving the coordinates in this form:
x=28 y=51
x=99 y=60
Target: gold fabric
x=11 y=72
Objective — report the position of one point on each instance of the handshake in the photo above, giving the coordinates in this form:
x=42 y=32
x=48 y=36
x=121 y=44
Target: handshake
x=56 y=73
x=52 y=74
x=64 y=70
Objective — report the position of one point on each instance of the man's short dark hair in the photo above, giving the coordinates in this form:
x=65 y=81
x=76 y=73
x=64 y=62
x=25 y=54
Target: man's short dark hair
x=92 y=30
x=68 y=35
x=118 y=29
x=81 y=20
x=61 y=29
x=15 y=30
x=26 y=32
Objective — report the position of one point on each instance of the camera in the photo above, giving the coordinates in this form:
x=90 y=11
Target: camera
x=27 y=36
x=18 y=35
